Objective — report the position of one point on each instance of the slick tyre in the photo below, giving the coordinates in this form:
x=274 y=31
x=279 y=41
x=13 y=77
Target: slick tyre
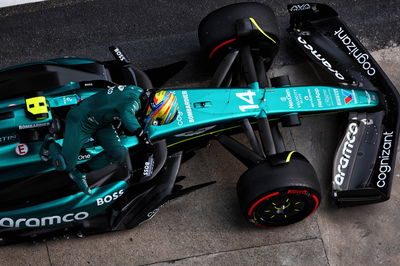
x=280 y=194
x=217 y=31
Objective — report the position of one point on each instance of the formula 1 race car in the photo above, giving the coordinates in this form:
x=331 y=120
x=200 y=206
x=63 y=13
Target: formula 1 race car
x=279 y=188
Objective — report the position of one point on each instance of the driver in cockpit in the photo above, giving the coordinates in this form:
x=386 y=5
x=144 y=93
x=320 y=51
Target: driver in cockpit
x=93 y=118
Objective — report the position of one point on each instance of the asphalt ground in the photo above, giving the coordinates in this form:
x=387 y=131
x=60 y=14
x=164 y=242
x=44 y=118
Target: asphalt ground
x=206 y=227
x=154 y=32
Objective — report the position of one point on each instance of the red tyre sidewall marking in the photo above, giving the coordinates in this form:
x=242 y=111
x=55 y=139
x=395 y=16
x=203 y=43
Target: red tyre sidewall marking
x=259 y=201
x=316 y=204
x=219 y=46
x=277 y=193
x=306 y=192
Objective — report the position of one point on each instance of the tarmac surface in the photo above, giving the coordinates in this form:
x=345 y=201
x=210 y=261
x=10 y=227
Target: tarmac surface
x=206 y=227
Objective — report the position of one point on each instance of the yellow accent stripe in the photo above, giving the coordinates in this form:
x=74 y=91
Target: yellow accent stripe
x=289 y=156
x=259 y=28
x=272 y=119
x=202 y=135
x=209 y=133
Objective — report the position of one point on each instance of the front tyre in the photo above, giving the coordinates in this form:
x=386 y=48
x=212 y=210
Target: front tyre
x=217 y=32
x=280 y=194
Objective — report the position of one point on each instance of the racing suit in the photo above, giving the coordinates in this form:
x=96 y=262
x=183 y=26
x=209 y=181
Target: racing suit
x=93 y=117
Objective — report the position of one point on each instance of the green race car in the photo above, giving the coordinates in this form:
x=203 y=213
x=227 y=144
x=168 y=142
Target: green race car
x=280 y=187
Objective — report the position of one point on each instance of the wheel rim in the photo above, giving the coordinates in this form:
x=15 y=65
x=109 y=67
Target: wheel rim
x=282 y=208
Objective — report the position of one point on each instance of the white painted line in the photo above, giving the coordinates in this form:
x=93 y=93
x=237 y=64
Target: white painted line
x=4 y=3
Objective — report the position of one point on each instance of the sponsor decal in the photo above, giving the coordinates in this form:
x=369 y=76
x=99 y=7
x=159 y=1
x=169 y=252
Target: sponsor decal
x=188 y=107
x=337 y=97
x=148 y=166
x=155 y=211
x=360 y=57
x=68 y=100
x=300 y=7
x=109 y=198
x=248 y=98
x=347 y=151
x=44 y=221
x=195 y=132
x=82 y=157
x=112 y=88
x=384 y=167
x=289 y=99
x=349 y=96
x=88 y=84
x=121 y=57
x=367 y=121
x=309 y=98
x=318 y=97
x=319 y=57
x=7 y=139
x=21 y=149
x=179 y=118
x=36 y=125
x=312 y=97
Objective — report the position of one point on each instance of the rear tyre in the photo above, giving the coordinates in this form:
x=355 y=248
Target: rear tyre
x=276 y=195
x=217 y=31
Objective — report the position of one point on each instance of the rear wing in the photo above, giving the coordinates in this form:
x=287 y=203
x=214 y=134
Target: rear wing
x=328 y=42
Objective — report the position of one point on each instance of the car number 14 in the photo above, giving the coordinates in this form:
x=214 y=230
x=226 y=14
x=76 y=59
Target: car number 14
x=247 y=97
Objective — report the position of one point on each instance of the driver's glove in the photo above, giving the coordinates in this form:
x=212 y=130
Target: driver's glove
x=144 y=140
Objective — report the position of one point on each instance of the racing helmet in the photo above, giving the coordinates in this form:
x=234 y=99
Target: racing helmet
x=162 y=109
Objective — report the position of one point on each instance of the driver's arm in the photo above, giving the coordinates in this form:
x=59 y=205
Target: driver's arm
x=128 y=116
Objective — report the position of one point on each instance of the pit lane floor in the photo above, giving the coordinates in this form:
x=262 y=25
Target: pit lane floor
x=207 y=228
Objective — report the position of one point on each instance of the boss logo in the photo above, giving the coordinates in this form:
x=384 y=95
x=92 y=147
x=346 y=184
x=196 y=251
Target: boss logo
x=109 y=198
x=148 y=166
x=121 y=57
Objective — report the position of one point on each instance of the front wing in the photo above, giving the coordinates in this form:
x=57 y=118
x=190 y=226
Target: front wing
x=365 y=160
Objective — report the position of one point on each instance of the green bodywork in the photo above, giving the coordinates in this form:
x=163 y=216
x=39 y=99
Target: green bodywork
x=68 y=209
x=201 y=112
x=209 y=108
